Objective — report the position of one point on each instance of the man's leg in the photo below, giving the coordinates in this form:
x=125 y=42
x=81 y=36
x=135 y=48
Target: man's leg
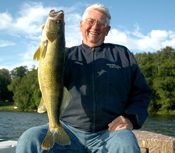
x=120 y=141
x=31 y=140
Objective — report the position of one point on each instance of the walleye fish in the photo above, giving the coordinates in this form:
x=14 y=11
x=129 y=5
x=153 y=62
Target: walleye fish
x=55 y=97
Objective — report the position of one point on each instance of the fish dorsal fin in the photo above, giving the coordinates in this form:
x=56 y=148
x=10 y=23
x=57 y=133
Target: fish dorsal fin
x=37 y=54
x=66 y=99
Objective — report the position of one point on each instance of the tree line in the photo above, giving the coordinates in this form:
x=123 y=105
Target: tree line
x=21 y=85
x=159 y=71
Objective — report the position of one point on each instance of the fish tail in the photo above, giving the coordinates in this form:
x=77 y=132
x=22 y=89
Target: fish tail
x=56 y=135
x=48 y=141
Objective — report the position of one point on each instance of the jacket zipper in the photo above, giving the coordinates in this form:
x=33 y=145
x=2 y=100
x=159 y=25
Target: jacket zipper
x=93 y=86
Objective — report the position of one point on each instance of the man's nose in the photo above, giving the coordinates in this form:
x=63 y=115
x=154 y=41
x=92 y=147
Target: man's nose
x=96 y=26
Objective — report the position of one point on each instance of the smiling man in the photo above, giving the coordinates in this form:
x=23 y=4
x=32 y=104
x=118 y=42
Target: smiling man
x=94 y=28
x=110 y=96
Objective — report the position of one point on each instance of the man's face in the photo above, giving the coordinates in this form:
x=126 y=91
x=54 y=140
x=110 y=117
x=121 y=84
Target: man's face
x=94 y=35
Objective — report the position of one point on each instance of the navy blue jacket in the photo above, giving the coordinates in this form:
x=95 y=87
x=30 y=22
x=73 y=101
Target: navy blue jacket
x=105 y=82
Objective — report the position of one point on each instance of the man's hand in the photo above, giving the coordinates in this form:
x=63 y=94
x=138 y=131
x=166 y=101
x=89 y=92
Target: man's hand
x=120 y=123
x=43 y=25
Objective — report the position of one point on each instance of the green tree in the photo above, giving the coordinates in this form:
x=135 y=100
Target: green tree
x=19 y=72
x=26 y=91
x=14 y=87
x=159 y=71
x=5 y=80
x=165 y=89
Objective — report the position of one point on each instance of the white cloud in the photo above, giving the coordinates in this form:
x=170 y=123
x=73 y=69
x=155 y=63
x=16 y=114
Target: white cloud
x=4 y=43
x=136 y=40
x=116 y=36
x=137 y=32
x=28 y=20
x=5 y=20
x=172 y=34
x=169 y=42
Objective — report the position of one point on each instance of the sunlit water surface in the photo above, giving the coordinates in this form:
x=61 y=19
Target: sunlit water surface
x=13 y=124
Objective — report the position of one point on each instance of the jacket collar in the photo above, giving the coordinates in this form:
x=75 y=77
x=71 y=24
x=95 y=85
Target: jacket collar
x=98 y=48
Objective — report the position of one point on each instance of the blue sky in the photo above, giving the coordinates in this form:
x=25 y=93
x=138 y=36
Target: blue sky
x=140 y=25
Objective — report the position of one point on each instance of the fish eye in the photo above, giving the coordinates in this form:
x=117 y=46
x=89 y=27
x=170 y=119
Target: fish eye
x=58 y=21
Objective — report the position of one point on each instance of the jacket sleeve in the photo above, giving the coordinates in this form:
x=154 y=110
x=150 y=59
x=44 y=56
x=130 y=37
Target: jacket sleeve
x=139 y=98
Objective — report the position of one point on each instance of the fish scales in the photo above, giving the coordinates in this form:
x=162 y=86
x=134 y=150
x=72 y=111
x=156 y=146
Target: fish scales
x=55 y=97
x=51 y=77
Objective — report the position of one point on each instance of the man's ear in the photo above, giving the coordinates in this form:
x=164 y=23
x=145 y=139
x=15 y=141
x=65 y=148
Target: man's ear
x=107 y=30
x=81 y=24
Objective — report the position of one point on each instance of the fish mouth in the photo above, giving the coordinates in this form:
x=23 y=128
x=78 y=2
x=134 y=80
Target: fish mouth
x=59 y=15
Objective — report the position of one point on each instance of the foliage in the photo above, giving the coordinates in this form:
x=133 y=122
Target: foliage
x=5 y=80
x=26 y=91
x=19 y=72
x=159 y=71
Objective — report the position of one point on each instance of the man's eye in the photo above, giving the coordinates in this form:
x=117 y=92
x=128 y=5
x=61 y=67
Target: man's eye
x=101 y=23
x=91 y=22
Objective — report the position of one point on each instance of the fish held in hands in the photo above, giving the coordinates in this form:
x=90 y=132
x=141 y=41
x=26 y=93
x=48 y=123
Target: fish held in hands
x=55 y=97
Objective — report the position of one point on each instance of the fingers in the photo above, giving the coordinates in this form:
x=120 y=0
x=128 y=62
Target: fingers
x=120 y=123
x=114 y=124
x=117 y=124
x=43 y=25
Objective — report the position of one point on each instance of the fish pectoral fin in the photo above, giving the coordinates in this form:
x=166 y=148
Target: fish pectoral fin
x=66 y=99
x=56 y=135
x=42 y=106
x=44 y=48
x=37 y=54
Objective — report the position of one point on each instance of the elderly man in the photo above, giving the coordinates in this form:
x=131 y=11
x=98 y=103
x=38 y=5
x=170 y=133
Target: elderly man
x=110 y=96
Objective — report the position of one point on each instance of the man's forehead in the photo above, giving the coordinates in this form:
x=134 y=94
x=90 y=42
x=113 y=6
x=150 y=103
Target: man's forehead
x=96 y=14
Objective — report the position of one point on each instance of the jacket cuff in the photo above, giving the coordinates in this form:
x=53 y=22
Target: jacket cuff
x=132 y=118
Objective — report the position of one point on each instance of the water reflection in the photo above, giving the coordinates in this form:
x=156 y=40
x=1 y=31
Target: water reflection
x=13 y=124
x=164 y=124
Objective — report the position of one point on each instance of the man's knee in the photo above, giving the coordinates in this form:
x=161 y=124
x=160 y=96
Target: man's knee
x=32 y=138
x=125 y=140
x=125 y=136
x=34 y=133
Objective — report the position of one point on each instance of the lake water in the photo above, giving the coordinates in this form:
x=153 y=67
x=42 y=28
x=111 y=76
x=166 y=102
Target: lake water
x=13 y=124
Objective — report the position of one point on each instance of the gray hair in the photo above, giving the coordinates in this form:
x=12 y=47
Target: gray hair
x=98 y=7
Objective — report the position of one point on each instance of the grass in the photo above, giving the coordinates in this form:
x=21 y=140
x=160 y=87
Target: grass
x=7 y=106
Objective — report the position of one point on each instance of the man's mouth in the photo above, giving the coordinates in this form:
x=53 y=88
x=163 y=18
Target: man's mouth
x=94 y=33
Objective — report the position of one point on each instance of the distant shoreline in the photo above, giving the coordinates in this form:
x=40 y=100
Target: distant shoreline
x=8 y=106
x=12 y=108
